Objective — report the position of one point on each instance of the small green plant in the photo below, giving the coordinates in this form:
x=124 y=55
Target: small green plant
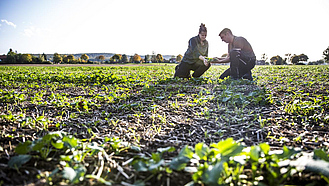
x=154 y=164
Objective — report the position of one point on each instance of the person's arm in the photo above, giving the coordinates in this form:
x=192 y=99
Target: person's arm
x=203 y=58
x=221 y=60
x=193 y=49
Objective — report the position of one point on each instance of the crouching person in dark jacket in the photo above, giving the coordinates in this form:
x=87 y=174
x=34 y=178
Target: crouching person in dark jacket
x=240 y=56
x=194 y=58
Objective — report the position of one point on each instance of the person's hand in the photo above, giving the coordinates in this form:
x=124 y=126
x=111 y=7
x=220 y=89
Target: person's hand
x=205 y=62
x=216 y=59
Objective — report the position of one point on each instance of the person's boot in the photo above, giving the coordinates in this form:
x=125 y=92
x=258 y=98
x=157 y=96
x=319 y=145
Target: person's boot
x=248 y=76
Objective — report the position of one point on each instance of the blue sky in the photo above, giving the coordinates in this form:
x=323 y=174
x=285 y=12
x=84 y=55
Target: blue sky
x=273 y=27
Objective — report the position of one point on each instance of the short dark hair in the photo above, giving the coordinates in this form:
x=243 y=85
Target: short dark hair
x=202 y=28
x=225 y=30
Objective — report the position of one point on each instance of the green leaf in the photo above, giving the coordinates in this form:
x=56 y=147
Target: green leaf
x=287 y=153
x=254 y=153
x=186 y=152
x=227 y=148
x=156 y=157
x=23 y=148
x=66 y=158
x=156 y=166
x=135 y=148
x=48 y=137
x=38 y=145
x=201 y=150
x=70 y=141
x=319 y=153
x=140 y=165
x=40 y=118
x=212 y=174
x=17 y=161
x=58 y=144
x=179 y=162
x=265 y=148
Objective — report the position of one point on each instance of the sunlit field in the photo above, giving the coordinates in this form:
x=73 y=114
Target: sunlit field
x=137 y=125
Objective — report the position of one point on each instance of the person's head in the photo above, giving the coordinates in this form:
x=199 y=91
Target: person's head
x=202 y=32
x=226 y=35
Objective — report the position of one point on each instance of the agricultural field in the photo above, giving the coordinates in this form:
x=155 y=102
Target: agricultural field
x=136 y=125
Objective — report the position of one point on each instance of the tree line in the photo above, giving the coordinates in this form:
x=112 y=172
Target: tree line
x=13 y=57
x=295 y=59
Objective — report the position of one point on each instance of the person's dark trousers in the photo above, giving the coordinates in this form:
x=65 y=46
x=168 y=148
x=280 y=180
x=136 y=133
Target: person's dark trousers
x=183 y=69
x=240 y=66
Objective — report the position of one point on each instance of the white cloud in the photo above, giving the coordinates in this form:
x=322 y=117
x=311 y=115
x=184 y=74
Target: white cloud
x=8 y=23
x=34 y=31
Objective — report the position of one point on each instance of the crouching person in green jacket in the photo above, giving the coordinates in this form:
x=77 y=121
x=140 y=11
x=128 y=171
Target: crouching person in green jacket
x=195 y=57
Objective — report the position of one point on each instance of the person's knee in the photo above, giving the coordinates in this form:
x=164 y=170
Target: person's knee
x=182 y=71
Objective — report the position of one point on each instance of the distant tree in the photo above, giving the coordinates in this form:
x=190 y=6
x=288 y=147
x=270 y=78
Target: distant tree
x=179 y=58
x=11 y=57
x=276 y=60
x=84 y=57
x=294 y=59
x=153 y=57
x=125 y=58
x=101 y=57
x=44 y=57
x=25 y=58
x=147 y=58
x=68 y=59
x=159 y=58
x=302 y=57
x=137 y=58
x=36 y=60
x=318 y=62
x=11 y=52
x=40 y=59
x=326 y=55
x=57 y=58
x=116 y=58
x=64 y=58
